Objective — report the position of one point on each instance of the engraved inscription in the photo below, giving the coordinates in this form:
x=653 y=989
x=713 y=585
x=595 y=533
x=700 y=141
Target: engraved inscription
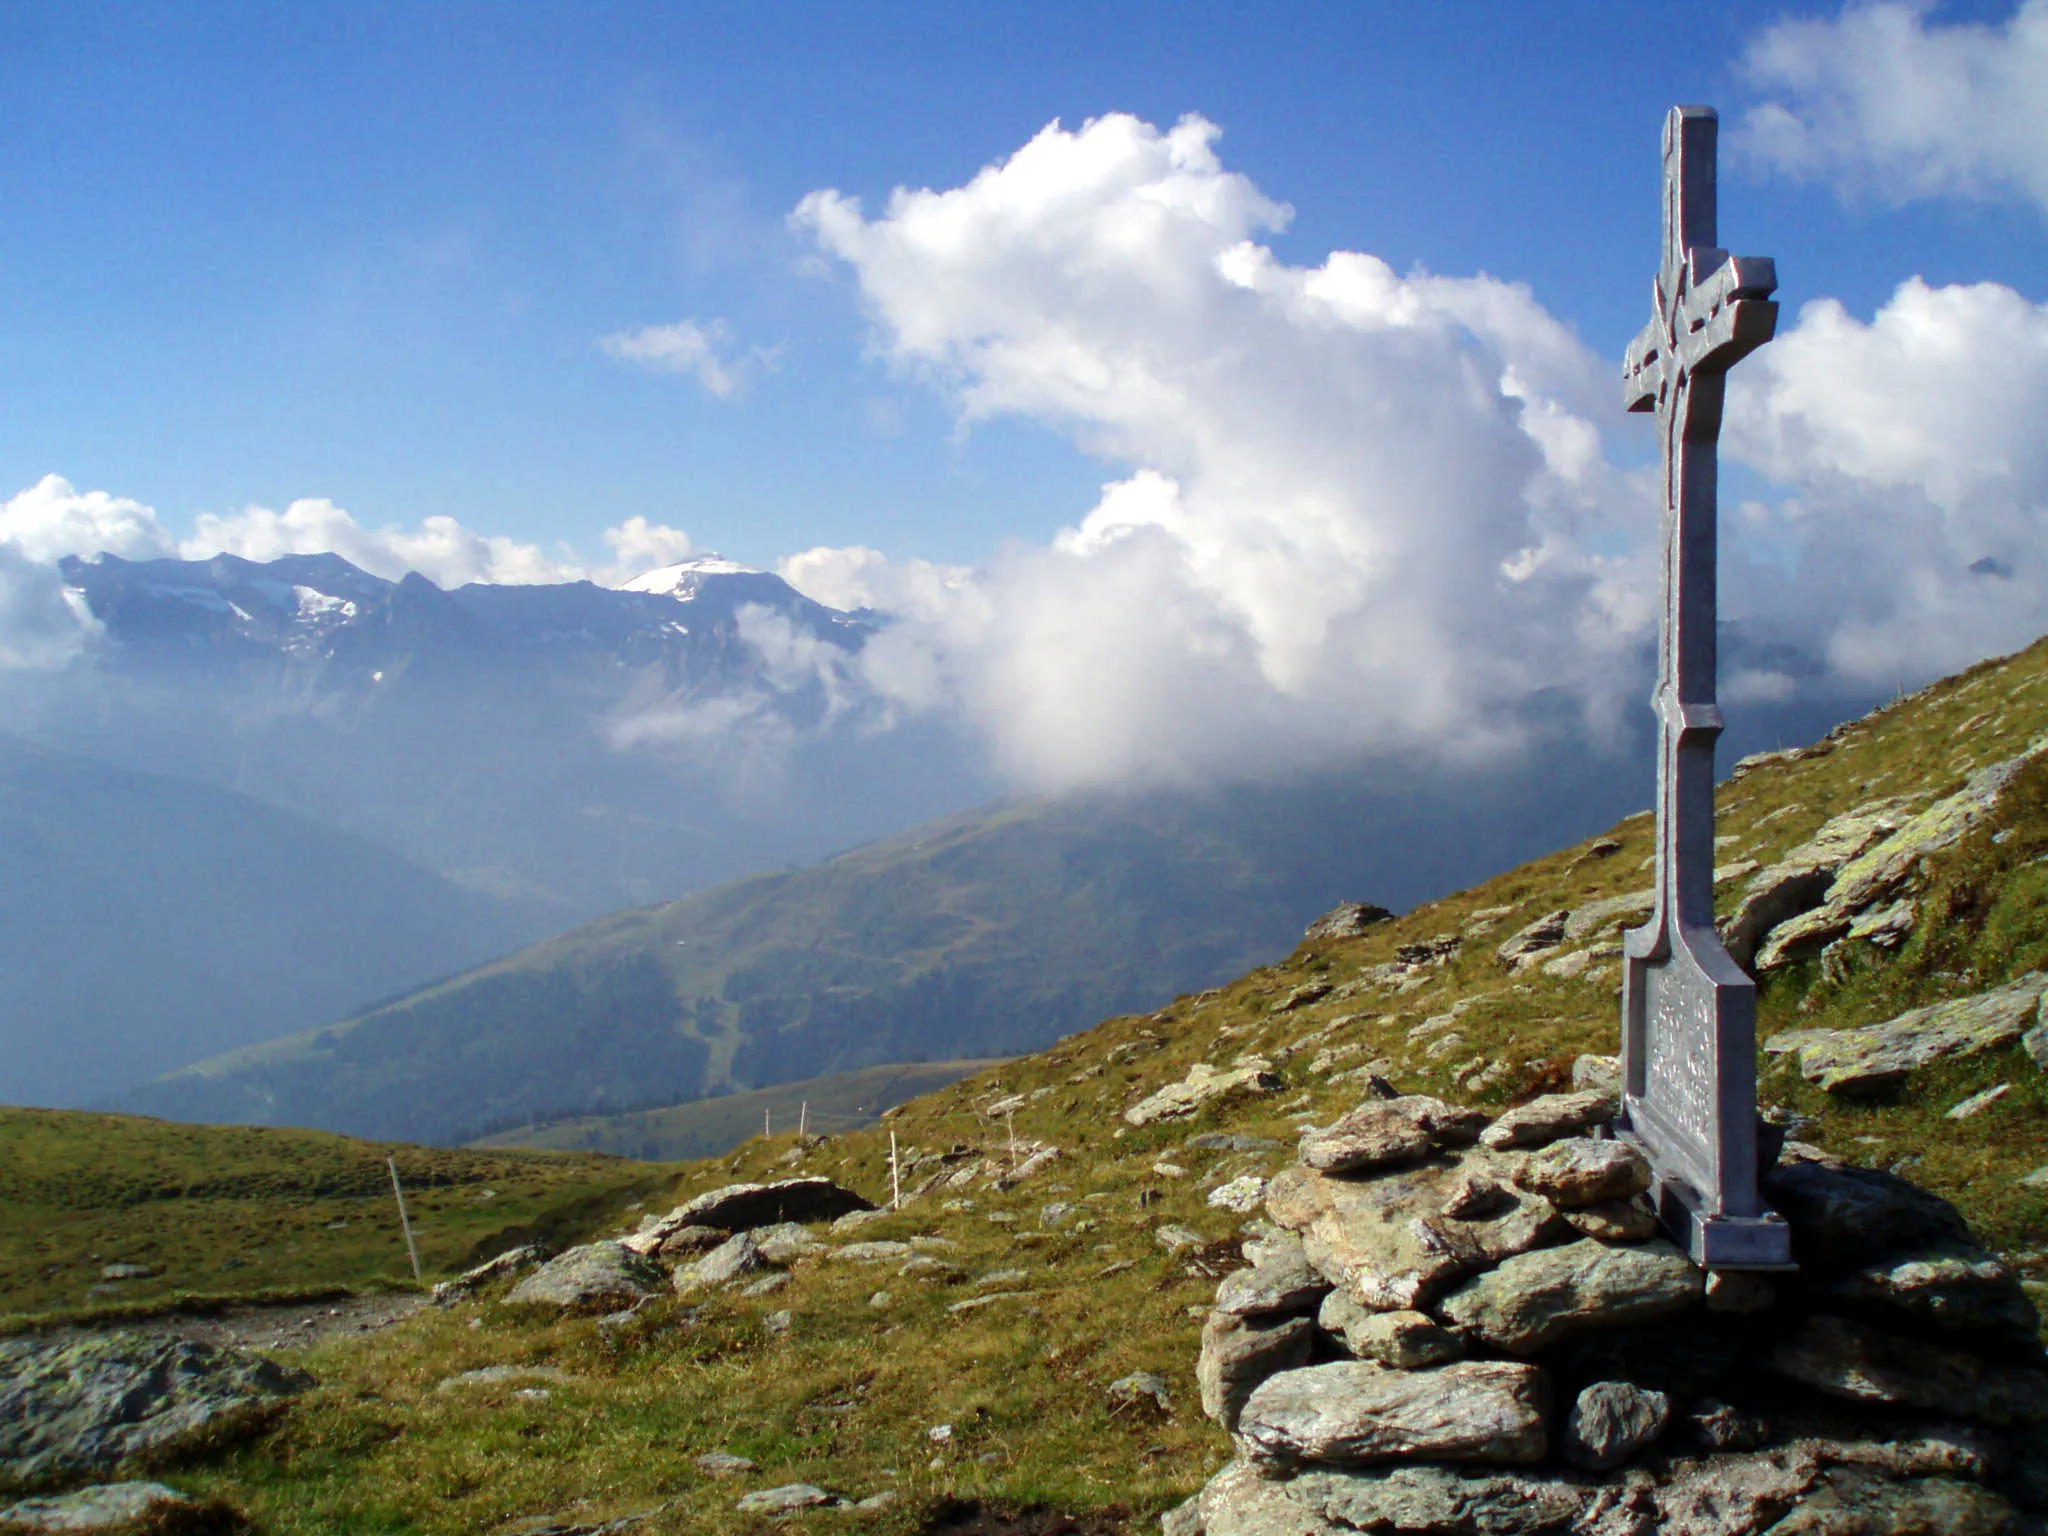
x=1680 y=1056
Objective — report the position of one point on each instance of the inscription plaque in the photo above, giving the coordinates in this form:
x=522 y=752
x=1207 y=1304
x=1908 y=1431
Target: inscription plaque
x=1688 y=1037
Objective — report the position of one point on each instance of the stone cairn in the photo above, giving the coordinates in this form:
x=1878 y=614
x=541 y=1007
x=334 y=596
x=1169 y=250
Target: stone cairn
x=1463 y=1325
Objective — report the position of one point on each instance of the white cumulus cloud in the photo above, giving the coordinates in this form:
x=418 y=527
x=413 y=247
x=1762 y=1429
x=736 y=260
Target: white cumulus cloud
x=1355 y=507
x=1886 y=101
x=1915 y=540
x=52 y=519
x=639 y=546
x=700 y=349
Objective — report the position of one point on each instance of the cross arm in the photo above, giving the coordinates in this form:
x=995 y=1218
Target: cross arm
x=1722 y=314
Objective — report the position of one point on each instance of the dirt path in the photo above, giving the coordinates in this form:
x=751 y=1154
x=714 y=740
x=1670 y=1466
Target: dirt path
x=289 y=1326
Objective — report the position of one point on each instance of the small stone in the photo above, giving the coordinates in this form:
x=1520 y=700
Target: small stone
x=1953 y=1287
x=876 y=1502
x=879 y=1252
x=775 y=1501
x=1533 y=1299
x=1546 y=933
x=1733 y=1291
x=742 y=1207
x=1239 y=1352
x=1583 y=1170
x=880 y=1300
x=778 y=1322
x=1347 y=920
x=1597 y=1074
x=1057 y=1214
x=1615 y=1221
x=997 y=1279
x=925 y=1266
x=1477 y=1196
x=723 y=1464
x=1545 y=1119
x=1242 y=1195
x=1140 y=1387
x=1404 y=1341
x=1610 y=1421
x=767 y=1285
x=1716 y=1426
x=1354 y=1414
x=1977 y=1103
x=690 y=1242
x=1173 y=1237
x=127 y=1272
x=1308 y=992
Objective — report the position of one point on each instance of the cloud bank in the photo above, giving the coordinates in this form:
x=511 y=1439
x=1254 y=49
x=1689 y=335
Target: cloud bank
x=1886 y=103
x=1356 y=507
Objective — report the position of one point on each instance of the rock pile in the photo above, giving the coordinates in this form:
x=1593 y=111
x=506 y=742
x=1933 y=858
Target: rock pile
x=1457 y=1327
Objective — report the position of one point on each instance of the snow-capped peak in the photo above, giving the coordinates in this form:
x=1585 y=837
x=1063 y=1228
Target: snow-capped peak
x=682 y=578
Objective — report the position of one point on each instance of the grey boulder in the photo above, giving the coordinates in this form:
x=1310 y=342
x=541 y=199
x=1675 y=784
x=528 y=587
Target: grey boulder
x=599 y=1276
x=79 y=1405
x=1860 y=1364
x=1842 y=1218
x=1354 y=1414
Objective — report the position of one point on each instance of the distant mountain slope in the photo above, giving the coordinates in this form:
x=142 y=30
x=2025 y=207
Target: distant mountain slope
x=829 y=1106
x=145 y=921
x=980 y=935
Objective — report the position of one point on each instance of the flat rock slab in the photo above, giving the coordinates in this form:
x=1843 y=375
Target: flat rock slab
x=1388 y=1241
x=790 y=1496
x=79 y=1405
x=1534 y=1299
x=1584 y=1170
x=1203 y=1085
x=1877 y=1057
x=1354 y=1414
x=600 y=1276
x=1543 y=1120
x=742 y=1207
x=95 y=1509
x=1384 y=1133
x=1959 y=1290
x=1285 y=1283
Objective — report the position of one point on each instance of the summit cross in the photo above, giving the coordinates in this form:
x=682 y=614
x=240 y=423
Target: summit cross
x=1688 y=1047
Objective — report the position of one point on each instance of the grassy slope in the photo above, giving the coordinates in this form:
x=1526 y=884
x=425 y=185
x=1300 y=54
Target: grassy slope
x=225 y=1211
x=709 y=1127
x=846 y=1397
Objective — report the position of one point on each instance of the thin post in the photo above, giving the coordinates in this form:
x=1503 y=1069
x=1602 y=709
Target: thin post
x=803 y=1120
x=1010 y=1119
x=404 y=1221
x=767 y=1125
x=895 y=1176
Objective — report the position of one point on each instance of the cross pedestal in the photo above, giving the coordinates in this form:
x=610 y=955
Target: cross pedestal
x=1688 y=1037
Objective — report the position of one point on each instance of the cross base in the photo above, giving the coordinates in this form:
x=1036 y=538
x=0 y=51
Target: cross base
x=1714 y=1242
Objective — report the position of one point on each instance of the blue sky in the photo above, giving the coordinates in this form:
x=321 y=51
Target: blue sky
x=1262 y=412
x=365 y=252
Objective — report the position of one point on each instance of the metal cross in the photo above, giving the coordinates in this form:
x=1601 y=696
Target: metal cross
x=1688 y=1010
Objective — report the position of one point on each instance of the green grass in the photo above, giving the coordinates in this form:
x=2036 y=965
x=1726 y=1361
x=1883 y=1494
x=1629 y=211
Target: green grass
x=847 y=1397
x=707 y=1127
x=224 y=1212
